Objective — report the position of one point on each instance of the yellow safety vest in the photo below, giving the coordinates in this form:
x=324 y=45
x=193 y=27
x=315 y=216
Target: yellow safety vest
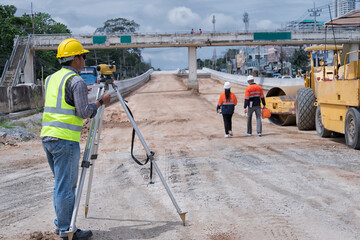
x=59 y=119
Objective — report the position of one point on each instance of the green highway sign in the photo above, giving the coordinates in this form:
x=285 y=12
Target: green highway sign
x=272 y=36
x=125 y=39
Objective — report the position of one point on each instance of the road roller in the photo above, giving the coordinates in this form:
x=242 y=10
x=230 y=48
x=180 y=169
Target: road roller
x=329 y=100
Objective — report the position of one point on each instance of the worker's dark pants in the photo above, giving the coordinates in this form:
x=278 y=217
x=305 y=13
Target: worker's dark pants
x=257 y=111
x=227 y=122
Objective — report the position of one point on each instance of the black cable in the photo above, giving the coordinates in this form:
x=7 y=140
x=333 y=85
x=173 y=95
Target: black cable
x=132 y=145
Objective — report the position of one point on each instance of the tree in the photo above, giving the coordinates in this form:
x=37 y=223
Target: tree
x=8 y=29
x=128 y=61
x=44 y=24
x=299 y=60
x=118 y=25
x=10 y=26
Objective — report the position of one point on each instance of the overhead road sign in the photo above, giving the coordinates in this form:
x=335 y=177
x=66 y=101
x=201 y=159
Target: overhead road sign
x=272 y=36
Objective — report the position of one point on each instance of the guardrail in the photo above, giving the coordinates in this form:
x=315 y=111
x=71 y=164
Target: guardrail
x=266 y=83
x=26 y=99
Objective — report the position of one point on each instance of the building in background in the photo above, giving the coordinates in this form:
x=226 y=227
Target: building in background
x=341 y=7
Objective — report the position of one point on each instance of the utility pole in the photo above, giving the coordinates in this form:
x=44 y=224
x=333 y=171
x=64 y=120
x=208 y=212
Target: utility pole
x=214 y=53
x=314 y=13
x=259 y=72
x=32 y=20
x=246 y=21
x=213 y=22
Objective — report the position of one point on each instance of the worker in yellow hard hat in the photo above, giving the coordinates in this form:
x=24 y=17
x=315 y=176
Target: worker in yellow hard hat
x=66 y=105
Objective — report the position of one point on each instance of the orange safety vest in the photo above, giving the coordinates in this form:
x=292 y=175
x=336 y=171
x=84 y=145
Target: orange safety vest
x=227 y=106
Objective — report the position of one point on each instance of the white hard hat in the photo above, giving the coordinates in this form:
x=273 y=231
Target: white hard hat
x=250 y=78
x=227 y=85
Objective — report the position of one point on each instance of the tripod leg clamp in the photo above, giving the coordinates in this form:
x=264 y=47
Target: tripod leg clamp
x=85 y=164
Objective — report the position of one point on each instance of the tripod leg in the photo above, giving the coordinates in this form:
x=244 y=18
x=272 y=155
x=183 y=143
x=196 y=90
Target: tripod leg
x=181 y=214
x=85 y=164
x=94 y=156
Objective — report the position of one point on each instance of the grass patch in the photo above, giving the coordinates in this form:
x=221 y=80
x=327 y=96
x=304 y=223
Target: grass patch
x=7 y=126
x=3 y=124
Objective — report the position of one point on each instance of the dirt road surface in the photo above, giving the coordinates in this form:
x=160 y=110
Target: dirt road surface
x=285 y=185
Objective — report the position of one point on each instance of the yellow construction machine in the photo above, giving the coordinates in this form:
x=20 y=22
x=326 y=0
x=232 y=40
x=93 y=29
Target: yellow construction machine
x=330 y=98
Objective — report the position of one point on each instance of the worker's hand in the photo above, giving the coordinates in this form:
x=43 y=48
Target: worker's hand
x=245 y=110
x=106 y=98
x=89 y=89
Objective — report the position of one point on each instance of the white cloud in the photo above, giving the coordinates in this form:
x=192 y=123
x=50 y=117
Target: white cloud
x=87 y=29
x=266 y=25
x=223 y=23
x=60 y=20
x=152 y=10
x=183 y=16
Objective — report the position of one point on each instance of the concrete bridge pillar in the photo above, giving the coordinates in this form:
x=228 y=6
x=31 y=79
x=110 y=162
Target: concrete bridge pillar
x=28 y=73
x=193 y=82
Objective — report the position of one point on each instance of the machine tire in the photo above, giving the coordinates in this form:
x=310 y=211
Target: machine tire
x=352 y=128
x=321 y=131
x=305 y=109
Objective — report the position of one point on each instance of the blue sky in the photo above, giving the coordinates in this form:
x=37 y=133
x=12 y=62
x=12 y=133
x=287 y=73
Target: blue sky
x=169 y=16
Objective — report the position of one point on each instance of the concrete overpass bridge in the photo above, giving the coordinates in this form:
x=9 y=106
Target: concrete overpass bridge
x=20 y=63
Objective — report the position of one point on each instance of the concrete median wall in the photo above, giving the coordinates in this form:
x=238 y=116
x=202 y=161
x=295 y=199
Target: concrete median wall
x=266 y=83
x=21 y=98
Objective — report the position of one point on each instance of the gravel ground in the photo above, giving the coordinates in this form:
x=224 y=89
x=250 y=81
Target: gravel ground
x=24 y=129
x=286 y=185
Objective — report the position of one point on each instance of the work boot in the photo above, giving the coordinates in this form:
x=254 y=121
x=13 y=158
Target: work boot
x=230 y=133
x=226 y=135
x=80 y=234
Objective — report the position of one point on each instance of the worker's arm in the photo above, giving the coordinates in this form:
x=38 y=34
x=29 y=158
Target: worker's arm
x=76 y=94
x=262 y=98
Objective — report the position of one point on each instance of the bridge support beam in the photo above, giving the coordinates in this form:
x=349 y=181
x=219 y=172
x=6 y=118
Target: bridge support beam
x=193 y=82
x=29 y=73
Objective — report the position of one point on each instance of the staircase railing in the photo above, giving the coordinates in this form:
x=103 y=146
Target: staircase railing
x=22 y=61
x=4 y=71
x=11 y=59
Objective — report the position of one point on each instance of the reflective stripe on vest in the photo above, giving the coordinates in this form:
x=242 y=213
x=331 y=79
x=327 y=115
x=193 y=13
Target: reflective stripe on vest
x=60 y=121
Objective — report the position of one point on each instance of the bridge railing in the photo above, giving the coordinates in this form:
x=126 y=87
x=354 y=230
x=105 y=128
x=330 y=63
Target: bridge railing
x=11 y=59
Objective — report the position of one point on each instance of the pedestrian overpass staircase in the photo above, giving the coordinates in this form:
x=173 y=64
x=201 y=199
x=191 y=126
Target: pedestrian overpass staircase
x=14 y=67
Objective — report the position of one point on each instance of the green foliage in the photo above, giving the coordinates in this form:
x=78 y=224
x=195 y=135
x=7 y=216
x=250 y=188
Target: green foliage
x=3 y=124
x=299 y=60
x=43 y=24
x=127 y=61
x=10 y=26
x=8 y=29
x=118 y=25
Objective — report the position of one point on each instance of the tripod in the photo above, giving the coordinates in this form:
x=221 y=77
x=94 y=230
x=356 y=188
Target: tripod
x=91 y=153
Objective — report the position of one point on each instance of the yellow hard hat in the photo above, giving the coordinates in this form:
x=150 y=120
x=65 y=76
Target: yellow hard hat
x=70 y=47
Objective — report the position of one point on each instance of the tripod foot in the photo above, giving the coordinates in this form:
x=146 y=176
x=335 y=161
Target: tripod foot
x=70 y=234
x=86 y=211
x=182 y=216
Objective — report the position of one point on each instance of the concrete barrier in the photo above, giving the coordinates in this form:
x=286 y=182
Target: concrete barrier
x=4 y=104
x=22 y=98
x=266 y=83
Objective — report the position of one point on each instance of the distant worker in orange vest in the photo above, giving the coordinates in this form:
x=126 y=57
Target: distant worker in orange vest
x=192 y=31
x=200 y=31
x=254 y=95
x=227 y=103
